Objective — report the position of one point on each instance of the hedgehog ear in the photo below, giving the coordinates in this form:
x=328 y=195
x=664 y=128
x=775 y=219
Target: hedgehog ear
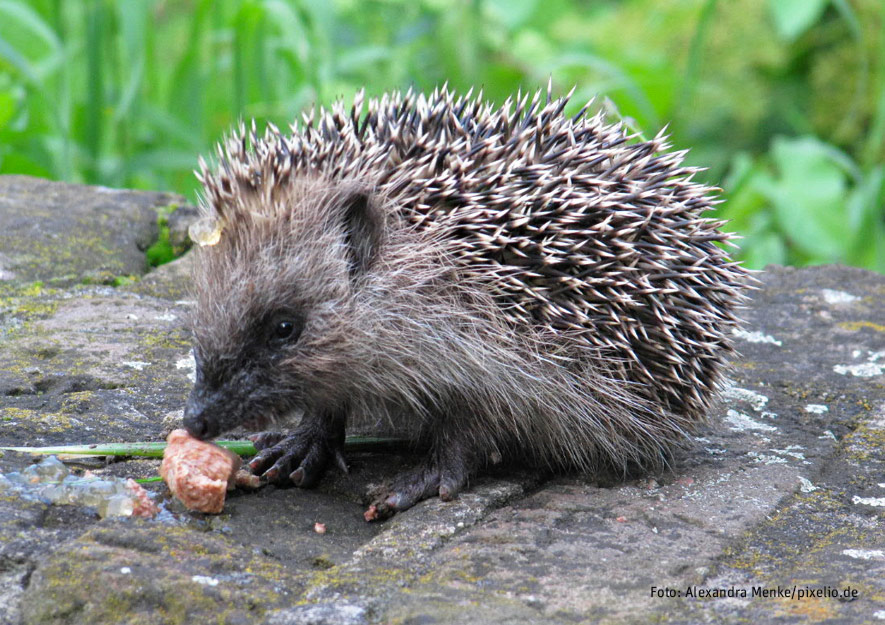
x=363 y=222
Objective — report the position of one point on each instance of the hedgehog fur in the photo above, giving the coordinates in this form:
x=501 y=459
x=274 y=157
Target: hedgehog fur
x=499 y=281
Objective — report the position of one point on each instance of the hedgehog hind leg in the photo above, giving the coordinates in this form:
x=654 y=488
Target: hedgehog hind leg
x=444 y=473
x=301 y=458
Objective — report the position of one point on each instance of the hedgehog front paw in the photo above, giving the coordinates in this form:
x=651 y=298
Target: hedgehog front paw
x=300 y=458
x=427 y=480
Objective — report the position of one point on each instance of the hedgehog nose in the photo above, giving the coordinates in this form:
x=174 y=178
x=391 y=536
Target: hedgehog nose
x=196 y=426
x=195 y=421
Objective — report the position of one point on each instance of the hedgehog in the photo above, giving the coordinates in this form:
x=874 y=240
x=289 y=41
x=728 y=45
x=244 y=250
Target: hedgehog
x=496 y=282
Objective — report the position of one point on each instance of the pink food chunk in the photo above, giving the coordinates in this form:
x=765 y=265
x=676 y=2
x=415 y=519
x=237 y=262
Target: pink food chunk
x=142 y=504
x=198 y=473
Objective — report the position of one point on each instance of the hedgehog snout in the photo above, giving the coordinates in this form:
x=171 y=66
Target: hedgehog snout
x=198 y=415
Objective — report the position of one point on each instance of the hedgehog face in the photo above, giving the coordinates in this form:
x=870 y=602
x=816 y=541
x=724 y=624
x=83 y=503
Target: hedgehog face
x=243 y=382
x=271 y=325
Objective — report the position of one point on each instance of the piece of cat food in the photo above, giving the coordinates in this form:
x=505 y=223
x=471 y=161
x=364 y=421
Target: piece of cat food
x=247 y=479
x=198 y=473
x=142 y=504
x=371 y=514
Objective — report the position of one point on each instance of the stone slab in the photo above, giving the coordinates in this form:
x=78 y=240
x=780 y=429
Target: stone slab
x=63 y=234
x=784 y=490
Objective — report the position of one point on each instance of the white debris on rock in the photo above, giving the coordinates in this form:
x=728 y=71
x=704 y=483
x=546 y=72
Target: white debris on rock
x=806 y=486
x=190 y=364
x=878 y=502
x=755 y=337
x=791 y=452
x=865 y=554
x=756 y=400
x=838 y=297
x=740 y=422
x=868 y=369
x=767 y=458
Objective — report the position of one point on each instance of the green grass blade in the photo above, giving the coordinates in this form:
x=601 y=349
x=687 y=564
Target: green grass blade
x=874 y=147
x=695 y=54
x=150 y=449
x=95 y=105
x=149 y=480
x=18 y=61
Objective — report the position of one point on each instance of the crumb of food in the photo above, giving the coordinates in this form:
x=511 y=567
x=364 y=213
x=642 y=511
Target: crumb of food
x=245 y=479
x=198 y=473
x=319 y=528
x=371 y=514
x=142 y=504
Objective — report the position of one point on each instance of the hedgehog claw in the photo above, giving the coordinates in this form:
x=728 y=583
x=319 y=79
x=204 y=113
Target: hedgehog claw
x=297 y=476
x=300 y=458
x=416 y=485
x=340 y=462
x=263 y=440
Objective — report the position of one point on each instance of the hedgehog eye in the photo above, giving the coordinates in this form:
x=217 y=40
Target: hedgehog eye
x=284 y=330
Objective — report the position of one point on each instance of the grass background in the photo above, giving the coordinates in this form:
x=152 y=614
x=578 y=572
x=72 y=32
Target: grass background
x=783 y=100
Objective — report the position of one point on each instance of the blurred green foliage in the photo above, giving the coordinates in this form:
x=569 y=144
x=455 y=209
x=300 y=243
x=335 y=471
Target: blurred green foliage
x=783 y=100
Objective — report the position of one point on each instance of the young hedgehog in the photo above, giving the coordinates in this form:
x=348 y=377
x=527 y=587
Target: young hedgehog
x=503 y=282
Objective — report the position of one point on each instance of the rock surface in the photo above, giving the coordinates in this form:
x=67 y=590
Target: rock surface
x=784 y=490
x=64 y=234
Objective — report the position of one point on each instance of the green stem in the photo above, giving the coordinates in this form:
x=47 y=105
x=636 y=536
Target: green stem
x=150 y=449
x=693 y=67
